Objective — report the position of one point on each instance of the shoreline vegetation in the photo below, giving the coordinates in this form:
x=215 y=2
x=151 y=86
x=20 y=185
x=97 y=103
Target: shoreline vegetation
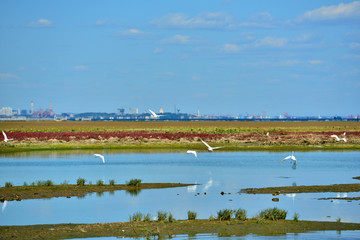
x=43 y=190
x=163 y=229
x=179 y=136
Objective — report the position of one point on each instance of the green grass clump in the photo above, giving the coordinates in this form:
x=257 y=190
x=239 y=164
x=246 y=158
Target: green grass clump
x=8 y=184
x=296 y=217
x=134 y=182
x=136 y=217
x=273 y=214
x=112 y=182
x=100 y=183
x=191 y=215
x=241 y=214
x=162 y=216
x=147 y=217
x=170 y=217
x=225 y=214
x=80 y=182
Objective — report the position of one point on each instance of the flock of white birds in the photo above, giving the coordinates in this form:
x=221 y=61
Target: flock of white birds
x=210 y=149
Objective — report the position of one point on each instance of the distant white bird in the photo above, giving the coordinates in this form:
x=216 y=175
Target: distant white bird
x=211 y=149
x=154 y=115
x=292 y=157
x=344 y=134
x=267 y=134
x=192 y=152
x=100 y=156
x=6 y=139
x=338 y=139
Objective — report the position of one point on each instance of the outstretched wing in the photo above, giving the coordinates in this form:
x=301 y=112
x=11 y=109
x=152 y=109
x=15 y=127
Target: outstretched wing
x=205 y=143
x=336 y=137
x=216 y=147
x=100 y=156
x=286 y=158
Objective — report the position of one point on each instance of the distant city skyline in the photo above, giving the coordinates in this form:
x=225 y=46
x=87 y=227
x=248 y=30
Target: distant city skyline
x=222 y=57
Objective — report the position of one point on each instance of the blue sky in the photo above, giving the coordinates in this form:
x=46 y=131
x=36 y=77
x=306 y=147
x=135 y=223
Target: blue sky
x=220 y=56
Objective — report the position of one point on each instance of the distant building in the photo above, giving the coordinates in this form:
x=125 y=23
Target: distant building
x=120 y=111
x=6 y=111
x=133 y=111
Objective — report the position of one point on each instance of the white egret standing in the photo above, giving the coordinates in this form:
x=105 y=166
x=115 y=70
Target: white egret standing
x=100 y=156
x=192 y=152
x=6 y=139
x=267 y=134
x=211 y=149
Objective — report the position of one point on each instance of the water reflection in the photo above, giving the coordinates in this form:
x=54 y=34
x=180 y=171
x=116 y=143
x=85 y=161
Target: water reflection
x=133 y=192
x=216 y=172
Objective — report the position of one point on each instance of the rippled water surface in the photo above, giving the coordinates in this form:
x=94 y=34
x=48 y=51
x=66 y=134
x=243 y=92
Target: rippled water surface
x=216 y=172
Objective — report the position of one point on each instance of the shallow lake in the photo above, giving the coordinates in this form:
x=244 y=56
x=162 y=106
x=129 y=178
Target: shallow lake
x=216 y=172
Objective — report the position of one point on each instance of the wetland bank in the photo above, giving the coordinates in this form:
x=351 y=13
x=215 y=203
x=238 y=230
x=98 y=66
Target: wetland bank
x=220 y=171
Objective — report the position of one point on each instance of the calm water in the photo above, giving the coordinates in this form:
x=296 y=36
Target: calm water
x=330 y=235
x=215 y=172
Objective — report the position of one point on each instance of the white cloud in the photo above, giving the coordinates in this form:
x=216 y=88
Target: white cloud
x=354 y=45
x=104 y=22
x=333 y=12
x=81 y=67
x=202 y=20
x=41 y=23
x=271 y=42
x=131 y=33
x=230 y=48
x=177 y=39
x=7 y=76
x=315 y=62
x=158 y=50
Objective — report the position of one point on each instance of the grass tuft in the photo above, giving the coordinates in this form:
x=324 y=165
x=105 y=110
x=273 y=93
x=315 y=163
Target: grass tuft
x=134 y=182
x=273 y=214
x=225 y=214
x=241 y=214
x=80 y=182
x=8 y=184
x=161 y=216
x=191 y=215
x=100 y=183
x=112 y=182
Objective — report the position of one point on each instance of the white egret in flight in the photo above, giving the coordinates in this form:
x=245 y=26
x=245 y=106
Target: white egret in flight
x=211 y=149
x=100 y=156
x=338 y=139
x=154 y=115
x=192 y=152
x=292 y=157
x=6 y=139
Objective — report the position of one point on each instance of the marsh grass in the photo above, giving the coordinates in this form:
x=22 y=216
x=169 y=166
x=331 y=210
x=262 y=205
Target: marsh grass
x=273 y=214
x=225 y=214
x=136 y=217
x=296 y=217
x=100 y=183
x=112 y=182
x=240 y=214
x=162 y=216
x=191 y=215
x=8 y=184
x=80 y=182
x=134 y=182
